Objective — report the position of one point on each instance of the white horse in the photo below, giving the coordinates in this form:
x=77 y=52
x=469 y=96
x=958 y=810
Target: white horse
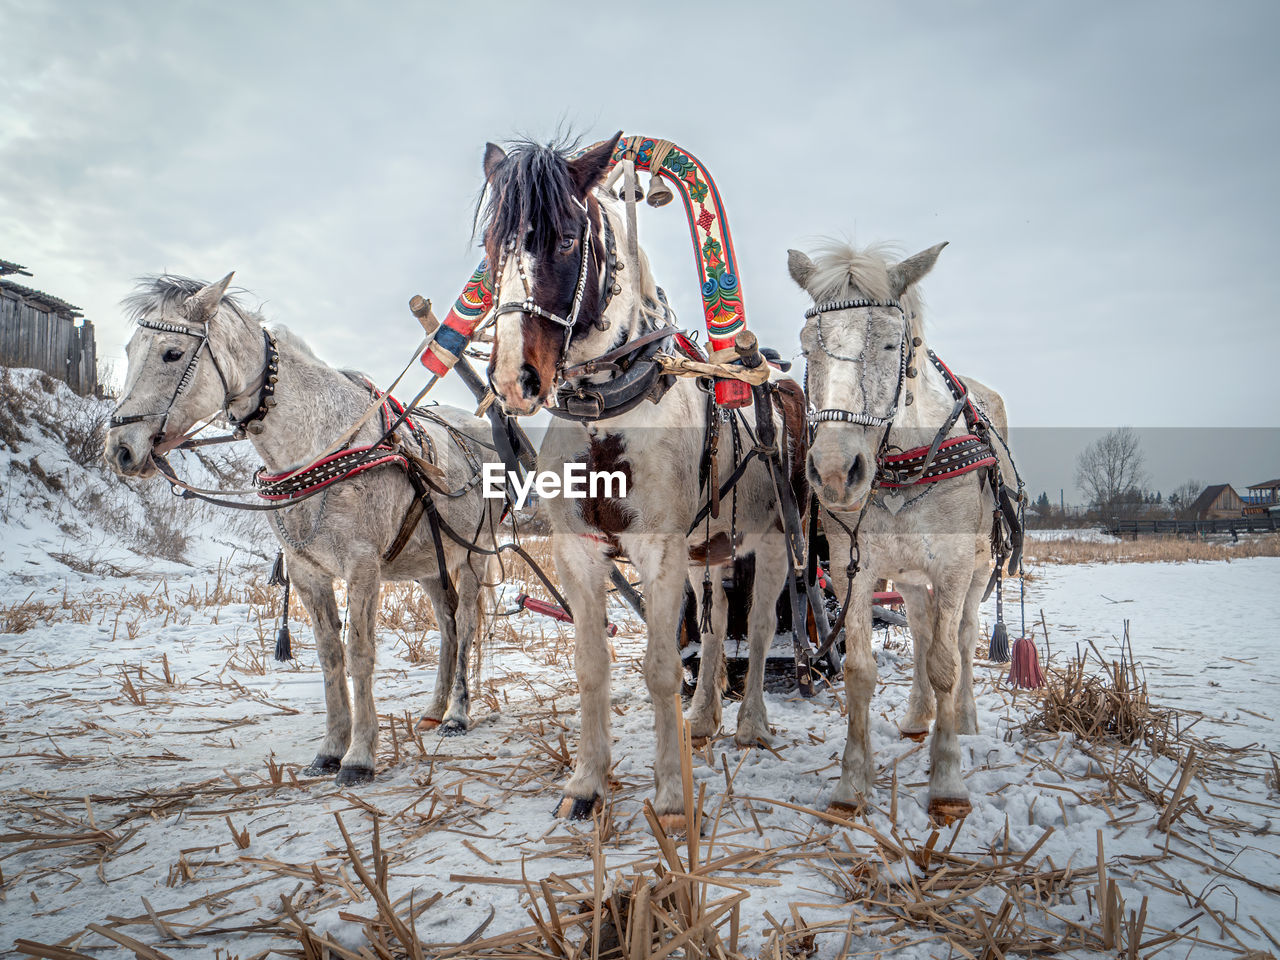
x=198 y=354
x=876 y=392
x=550 y=236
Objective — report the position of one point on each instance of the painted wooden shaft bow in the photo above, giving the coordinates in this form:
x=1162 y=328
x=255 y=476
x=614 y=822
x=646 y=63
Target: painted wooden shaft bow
x=721 y=290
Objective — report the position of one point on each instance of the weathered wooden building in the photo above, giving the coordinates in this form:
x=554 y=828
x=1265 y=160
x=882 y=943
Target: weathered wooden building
x=1217 y=501
x=42 y=331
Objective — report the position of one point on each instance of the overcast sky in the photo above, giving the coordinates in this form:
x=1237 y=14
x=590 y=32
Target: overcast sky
x=1105 y=172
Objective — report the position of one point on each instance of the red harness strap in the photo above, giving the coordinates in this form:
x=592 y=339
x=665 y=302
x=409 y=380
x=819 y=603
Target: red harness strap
x=956 y=456
x=344 y=464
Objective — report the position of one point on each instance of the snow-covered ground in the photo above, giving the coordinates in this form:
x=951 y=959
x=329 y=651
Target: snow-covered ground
x=151 y=751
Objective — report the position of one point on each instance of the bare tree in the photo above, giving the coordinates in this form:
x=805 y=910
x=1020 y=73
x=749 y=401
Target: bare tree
x=1184 y=496
x=1109 y=472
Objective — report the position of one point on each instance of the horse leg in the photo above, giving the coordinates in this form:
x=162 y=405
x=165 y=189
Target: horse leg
x=663 y=564
x=966 y=706
x=762 y=626
x=857 y=769
x=455 y=720
x=362 y=599
x=315 y=590
x=583 y=572
x=448 y=653
x=706 y=709
x=948 y=795
x=915 y=725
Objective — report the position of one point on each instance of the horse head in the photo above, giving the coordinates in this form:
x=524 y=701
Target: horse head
x=545 y=240
x=189 y=358
x=858 y=341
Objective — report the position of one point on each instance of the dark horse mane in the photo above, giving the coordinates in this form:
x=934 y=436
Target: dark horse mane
x=531 y=194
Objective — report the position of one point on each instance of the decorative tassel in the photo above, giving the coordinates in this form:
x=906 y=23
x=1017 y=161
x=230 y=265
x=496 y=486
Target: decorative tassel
x=999 y=648
x=284 y=651
x=277 y=577
x=704 y=619
x=284 y=647
x=1026 y=672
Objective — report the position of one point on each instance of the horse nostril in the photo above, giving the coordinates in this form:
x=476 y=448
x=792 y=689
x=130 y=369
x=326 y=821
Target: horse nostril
x=530 y=382
x=124 y=456
x=855 y=471
x=813 y=474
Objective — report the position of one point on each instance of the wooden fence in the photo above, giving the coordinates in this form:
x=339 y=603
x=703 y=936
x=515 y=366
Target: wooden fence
x=1254 y=523
x=34 y=335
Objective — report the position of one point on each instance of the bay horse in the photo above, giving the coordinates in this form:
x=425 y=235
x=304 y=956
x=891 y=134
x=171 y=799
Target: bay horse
x=198 y=354
x=577 y=311
x=875 y=389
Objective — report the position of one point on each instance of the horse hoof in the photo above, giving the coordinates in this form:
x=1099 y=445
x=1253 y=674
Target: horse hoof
x=673 y=823
x=845 y=809
x=427 y=723
x=578 y=808
x=946 y=811
x=917 y=735
x=351 y=775
x=322 y=766
x=452 y=728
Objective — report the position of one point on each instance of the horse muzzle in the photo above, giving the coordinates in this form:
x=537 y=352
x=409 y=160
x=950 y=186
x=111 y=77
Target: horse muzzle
x=128 y=457
x=842 y=482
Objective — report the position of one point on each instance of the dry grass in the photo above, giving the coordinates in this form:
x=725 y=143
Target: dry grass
x=21 y=617
x=1107 y=706
x=1161 y=549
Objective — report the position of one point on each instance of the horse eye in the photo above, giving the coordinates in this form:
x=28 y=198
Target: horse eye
x=566 y=243
x=172 y=355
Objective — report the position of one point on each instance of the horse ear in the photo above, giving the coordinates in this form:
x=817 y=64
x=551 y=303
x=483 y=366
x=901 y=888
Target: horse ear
x=494 y=155
x=587 y=169
x=203 y=304
x=800 y=267
x=913 y=269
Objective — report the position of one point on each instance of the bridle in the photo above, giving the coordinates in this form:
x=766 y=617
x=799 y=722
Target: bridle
x=608 y=286
x=265 y=385
x=905 y=353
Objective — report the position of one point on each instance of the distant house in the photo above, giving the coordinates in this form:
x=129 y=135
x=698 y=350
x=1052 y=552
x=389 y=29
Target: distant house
x=1263 y=497
x=45 y=332
x=1216 y=502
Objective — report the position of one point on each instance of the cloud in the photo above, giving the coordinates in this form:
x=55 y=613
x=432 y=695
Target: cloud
x=1104 y=172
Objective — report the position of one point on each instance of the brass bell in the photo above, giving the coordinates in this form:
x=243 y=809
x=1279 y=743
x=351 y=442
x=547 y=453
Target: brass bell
x=916 y=341
x=659 y=193
x=639 y=195
x=910 y=398
x=911 y=371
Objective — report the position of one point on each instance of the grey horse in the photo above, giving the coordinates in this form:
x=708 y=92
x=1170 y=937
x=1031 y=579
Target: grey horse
x=198 y=354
